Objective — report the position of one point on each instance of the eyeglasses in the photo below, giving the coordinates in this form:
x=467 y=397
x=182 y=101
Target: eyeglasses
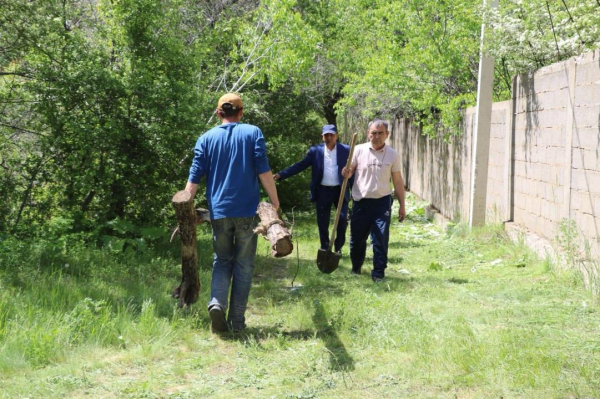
x=375 y=164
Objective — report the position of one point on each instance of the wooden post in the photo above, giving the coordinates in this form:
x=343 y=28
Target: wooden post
x=273 y=229
x=189 y=289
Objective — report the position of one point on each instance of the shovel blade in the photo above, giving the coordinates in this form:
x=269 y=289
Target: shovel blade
x=328 y=261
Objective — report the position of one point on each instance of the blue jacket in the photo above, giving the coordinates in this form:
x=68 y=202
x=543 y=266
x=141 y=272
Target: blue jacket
x=315 y=158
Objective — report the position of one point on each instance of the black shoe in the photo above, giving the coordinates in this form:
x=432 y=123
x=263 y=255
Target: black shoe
x=378 y=279
x=239 y=329
x=355 y=271
x=218 y=324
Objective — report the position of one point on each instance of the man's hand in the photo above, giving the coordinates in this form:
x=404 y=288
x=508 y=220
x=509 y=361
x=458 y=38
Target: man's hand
x=401 y=213
x=347 y=172
x=276 y=176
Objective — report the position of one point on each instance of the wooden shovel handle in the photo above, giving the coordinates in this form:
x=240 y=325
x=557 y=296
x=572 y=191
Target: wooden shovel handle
x=342 y=194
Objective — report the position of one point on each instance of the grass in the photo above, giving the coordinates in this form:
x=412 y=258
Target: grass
x=460 y=314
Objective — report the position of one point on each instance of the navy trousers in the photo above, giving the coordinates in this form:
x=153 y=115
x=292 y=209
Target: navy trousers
x=370 y=216
x=326 y=197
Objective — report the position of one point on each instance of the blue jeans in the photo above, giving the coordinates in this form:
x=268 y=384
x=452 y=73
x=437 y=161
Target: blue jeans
x=234 y=243
x=370 y=216
x=327 y=197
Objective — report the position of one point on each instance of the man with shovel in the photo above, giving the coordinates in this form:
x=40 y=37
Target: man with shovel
x=326 y=161
x=374 y=165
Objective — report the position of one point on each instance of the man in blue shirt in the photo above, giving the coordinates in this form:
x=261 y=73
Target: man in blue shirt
x=233 y=157
x=326 y=161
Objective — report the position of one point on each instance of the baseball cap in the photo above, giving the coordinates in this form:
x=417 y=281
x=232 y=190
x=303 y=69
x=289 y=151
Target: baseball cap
x=230 y=101
x=329 y=129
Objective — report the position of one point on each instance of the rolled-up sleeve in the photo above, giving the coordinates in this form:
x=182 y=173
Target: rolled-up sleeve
x=261 y=162
x=198 y=168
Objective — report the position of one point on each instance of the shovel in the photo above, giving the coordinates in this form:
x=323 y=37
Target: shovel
x=328 y=261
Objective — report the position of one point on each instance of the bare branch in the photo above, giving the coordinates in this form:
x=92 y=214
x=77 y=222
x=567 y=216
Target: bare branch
x=22 y=130
x=553 y=31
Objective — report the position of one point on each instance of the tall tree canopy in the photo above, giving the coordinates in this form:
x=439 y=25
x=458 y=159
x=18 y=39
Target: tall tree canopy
x=101 y=100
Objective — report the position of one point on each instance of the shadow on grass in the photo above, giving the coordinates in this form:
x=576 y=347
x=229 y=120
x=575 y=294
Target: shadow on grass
x=339 y=358
x=404 y=244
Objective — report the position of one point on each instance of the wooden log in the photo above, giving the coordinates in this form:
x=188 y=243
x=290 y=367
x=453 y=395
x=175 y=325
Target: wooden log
x=187 y=219
x=273 y=229
x=202 y=216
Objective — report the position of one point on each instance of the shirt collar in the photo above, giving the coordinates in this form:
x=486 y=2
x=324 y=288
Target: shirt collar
x=374 y=150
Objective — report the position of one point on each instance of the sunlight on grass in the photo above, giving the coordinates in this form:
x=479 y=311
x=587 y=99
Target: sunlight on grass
x=461 y=313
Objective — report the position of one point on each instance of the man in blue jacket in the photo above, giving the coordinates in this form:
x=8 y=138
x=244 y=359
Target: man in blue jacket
x=326 y=161
x=233 y=158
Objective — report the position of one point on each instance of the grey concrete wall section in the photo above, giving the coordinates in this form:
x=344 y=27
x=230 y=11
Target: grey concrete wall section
x=544 y=165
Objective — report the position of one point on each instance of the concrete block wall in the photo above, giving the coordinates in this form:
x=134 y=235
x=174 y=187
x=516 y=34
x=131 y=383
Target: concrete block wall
x=541 y=105
x=584 y=183
x=544 y=164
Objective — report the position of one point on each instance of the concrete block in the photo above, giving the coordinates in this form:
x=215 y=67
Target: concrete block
x=552 y=192
x=586 y=138
x=585 y=180
x=552 y=118
x=518 y=214
x=541 y=190
x=588 y=72
x=596 y=209
x=559 y=137
x=587 y=95
x=588 y=117
x=564 y=176
x=529 y=204
x=553 y=100
x=577 y=159
x=587 y=203
x=499 y=117
x=590 y=226
x=576 y=200
x=536 y=206
x=556 y=212
x=555 y=174
x=546 y=210
x=591 y=160
x=553 y=79
x=539 y=171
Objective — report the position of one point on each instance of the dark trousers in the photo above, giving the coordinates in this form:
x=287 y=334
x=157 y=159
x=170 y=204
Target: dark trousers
x=326 y=197
x=370 y=216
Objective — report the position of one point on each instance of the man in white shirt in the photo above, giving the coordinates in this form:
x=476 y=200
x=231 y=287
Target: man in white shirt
x=326 y=161
x=374 y=165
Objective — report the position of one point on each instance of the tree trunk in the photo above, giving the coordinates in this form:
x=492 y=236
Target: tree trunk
x=189 y=289
x=273 y=229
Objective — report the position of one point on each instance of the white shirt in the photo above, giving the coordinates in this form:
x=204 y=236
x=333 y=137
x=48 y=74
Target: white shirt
x=330 y=172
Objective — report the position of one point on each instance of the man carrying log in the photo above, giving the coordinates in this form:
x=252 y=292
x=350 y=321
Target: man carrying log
x=232 y=156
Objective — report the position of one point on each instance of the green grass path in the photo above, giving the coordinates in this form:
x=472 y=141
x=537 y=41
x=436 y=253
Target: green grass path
x=460 y=315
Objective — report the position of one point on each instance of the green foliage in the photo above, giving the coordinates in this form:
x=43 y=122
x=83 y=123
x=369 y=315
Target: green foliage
x=102 y=102
x=531 y=34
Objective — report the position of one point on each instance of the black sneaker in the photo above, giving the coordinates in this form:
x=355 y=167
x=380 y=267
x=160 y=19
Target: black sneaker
x=218 y=323
x=355 y=271
x=378 y=279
